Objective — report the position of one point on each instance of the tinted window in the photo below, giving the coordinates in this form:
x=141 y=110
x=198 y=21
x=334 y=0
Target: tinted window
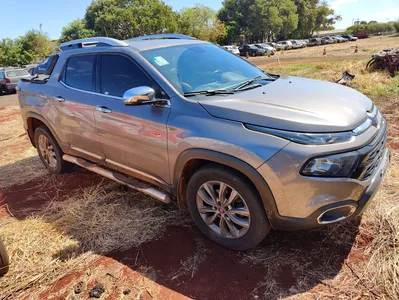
x=119 y=74
x=1 y=75
x=17 y=73
x=79 y=72
x=46 y=67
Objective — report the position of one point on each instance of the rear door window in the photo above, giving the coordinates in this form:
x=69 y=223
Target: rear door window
x=119 y=74
x=79 y=72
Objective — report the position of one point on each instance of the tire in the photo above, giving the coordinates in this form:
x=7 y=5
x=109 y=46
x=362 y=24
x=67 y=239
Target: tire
x=4 y=90
x=247 y=200
x=253 y=54
x=376 y=64
x=52 y=157
x=4 y=262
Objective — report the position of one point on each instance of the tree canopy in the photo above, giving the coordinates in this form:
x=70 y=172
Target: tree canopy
x=75 y=30
x=25 y=49
x=275 y=19
x=371 y=27
x=202 y=23
x=123 y=19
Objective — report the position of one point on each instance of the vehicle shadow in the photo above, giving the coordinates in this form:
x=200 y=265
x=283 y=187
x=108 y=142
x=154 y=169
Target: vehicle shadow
x=284 y=264
x=183 y=260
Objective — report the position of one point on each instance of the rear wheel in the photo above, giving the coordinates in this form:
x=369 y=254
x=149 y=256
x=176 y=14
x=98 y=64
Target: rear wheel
x=376 y=64
x=50 y=152
x=4 y=90
x=226 y=208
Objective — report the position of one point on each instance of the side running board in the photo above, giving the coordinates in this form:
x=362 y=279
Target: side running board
x=118 y=177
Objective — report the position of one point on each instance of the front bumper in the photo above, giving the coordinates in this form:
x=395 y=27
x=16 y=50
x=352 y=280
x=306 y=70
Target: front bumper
x=290 y=223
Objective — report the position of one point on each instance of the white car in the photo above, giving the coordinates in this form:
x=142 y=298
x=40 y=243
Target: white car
x=286 y=45
x=267 y=48
x=232 y=49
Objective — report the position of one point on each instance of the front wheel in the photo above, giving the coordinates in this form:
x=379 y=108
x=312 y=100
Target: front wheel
x=226 y=208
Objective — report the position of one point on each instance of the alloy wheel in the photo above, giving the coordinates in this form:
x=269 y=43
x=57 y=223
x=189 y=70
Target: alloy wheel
x=223 y=209
x=47 y=151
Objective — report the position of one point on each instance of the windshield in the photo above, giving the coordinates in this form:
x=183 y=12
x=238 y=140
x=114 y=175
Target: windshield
x=198 y=67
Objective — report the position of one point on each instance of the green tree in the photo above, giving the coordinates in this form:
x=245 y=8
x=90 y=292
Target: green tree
x=36 y=44
x=123 y=19
x=75 y=30
x=259 y=20
x=201 y=22
x=396 y=26
x=11 y=53
x=24 y=50
x=371 y=28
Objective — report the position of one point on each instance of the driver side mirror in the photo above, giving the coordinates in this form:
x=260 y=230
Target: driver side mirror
x=139 y=96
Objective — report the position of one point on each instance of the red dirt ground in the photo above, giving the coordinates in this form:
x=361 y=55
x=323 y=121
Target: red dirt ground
x=21 y=200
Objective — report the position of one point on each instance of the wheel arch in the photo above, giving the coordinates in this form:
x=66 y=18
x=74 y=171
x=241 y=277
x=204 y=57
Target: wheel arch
x=193 y=159
x=33 y=121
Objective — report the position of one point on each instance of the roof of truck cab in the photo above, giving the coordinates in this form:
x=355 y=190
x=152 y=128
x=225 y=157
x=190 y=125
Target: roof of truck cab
x=143 y=45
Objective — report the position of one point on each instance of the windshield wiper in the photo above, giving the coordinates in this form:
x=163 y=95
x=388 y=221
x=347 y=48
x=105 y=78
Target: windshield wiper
x=248 y=82
x=208 y=93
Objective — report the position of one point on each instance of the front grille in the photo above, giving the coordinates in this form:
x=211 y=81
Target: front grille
x=371 y=158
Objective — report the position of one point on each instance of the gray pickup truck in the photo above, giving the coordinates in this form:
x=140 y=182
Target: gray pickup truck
x=184 y=120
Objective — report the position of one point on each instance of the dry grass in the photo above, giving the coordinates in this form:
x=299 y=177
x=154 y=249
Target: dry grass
x=66 y=236
x=19 y=162
x=377 y=85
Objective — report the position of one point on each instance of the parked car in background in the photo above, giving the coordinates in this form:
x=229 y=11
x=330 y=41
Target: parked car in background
x=362 y=34
x=349 y=37
x=339 y=39
x=285 y=45
x=252 y=50
x=314 y=42
x=268 y=49
x=295 y=44
x=278 y=47
x=245 y=151
x=328 y=40
x=9 y=79
x=233 y=49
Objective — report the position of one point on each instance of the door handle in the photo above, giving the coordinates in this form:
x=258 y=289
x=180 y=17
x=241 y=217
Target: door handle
x=103 y=109
x=59 y=99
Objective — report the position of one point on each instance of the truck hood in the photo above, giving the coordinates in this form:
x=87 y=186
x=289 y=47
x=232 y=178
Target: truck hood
x=294 y=104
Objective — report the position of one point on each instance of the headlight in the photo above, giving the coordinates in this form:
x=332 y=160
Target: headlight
x=306 y=138
x=337 y=165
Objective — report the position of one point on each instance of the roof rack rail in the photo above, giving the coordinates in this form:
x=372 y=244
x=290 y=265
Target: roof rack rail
x=92 y=42
x=172 y=36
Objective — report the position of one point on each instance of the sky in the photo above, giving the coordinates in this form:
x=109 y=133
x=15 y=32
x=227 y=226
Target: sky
x=17 y=17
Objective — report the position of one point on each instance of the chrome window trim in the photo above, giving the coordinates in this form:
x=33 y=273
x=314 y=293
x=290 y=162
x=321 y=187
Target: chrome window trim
x=104 y=95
